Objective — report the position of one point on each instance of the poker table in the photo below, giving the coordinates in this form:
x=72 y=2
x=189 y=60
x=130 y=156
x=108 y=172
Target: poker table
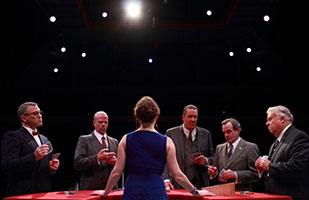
x=172 y=195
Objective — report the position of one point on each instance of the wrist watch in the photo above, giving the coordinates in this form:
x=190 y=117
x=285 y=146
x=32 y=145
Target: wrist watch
x=195 y=192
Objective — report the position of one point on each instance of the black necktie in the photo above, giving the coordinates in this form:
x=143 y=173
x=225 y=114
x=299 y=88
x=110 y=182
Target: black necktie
x=230 y=151
x=190 y=136
x=274 y=147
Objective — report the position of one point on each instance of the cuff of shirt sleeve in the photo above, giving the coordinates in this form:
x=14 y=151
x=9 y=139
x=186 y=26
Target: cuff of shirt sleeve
x=236 y=179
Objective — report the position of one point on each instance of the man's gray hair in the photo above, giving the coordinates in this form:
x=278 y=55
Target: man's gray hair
x=281 y=111
x=22 y=109
x=190 y=106
x=97 y=114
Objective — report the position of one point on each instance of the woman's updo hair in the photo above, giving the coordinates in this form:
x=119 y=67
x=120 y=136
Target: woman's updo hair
x=146 y=109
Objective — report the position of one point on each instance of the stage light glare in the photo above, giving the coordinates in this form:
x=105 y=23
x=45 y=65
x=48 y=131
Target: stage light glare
x=133 y=9
x=231 y=53
x=150 y=60
x=249 y=50
x=104 y=14
x=266 y=18
x=209 y=12
x=63 y=49
x=56 y=70
x=52 y=19
x=83 y=54
x=258 y=69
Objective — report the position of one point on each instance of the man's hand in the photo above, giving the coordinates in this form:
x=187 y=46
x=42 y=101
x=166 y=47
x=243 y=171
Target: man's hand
x=41 y=151
x=54 y=164
x=262 y=164
x=228 y=175
x=108 y=157
x=200 y=160
x=212 y=170
x=168 y=184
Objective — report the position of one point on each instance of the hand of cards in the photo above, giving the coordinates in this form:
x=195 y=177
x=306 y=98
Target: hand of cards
x=55 y=156
x=195 y=155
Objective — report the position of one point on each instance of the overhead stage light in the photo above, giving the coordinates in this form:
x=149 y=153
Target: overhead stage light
x=133 y=9
x=104 y=14
x=266 y=18
x=52 y=19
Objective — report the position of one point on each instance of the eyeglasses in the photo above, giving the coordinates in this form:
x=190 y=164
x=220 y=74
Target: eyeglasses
x=36 y=113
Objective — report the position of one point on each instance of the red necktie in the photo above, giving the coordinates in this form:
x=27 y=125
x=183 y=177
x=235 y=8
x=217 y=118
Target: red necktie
x=35 y=133
x=104 y=142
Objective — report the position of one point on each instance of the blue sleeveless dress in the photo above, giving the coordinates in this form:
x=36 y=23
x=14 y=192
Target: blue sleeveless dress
x=146 y=158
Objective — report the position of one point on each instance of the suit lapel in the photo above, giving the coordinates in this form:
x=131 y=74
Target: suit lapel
x=200 y=141
x=30 y=141
x=273 y=155
x=94 y=142
x=224 y=155
x=279 y=145
x=239 y=149
x=181 y=143
x=112 y=145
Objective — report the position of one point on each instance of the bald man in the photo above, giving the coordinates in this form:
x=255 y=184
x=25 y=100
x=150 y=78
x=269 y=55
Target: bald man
x=95 y=154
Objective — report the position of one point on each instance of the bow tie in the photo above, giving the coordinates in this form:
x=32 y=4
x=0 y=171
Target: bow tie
x=35 y=133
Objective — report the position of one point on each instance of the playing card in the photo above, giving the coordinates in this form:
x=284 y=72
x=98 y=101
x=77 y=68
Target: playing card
x=195 y=155
x=55 y=156
x=50 y=147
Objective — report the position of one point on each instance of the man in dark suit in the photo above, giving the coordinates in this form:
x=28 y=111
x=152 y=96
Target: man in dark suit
x=25 y=156
x=194 y=150
x=286 y=168
x=234 y=160
x=95 y=155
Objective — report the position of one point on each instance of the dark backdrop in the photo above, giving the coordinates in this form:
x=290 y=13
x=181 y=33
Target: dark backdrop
x=116 y=76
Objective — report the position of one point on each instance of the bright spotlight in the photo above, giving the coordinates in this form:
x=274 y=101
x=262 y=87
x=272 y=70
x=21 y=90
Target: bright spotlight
x=150 y=60
x=209 y=12
x=63 y=49
x=104 y=14
x=133 y=9
x=83 y=54
x=266 y=18
x=56 y=70
x=52 y=19
x=231 y=53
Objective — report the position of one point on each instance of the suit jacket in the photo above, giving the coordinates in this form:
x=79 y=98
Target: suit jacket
x=25 y=174
x=95 y=174
x=288 y=170
x=242 y=161
x=204 y=146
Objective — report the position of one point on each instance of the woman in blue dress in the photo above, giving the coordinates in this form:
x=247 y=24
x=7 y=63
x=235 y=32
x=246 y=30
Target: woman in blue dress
x=145 y=152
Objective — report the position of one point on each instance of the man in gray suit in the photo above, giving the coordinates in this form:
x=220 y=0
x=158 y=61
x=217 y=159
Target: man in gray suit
x=286 y=169
x=194 y=150
x=95 y=155
x=234 y=160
